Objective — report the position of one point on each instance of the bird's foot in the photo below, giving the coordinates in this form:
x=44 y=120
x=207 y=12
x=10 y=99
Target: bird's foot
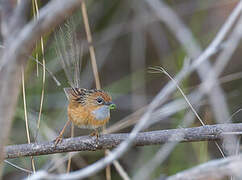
x=58 y=140
x=95 y=133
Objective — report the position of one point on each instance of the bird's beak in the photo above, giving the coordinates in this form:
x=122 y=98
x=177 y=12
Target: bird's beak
x=111 y=105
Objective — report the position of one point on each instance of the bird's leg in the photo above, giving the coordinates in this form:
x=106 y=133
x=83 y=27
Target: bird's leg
x=59 y=138
x=95 y=133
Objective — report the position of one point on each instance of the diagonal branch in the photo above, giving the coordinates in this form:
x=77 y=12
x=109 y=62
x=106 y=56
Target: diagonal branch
x=108 y=141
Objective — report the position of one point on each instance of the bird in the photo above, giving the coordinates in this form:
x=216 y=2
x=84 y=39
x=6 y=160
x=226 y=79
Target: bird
x=89 y=109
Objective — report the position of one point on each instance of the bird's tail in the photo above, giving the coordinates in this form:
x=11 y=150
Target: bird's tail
x=69 y=51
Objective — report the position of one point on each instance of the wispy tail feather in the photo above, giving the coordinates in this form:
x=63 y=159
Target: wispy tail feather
x=69 y=50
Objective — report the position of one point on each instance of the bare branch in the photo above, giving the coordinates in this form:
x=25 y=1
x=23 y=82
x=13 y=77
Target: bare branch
x=108 y=141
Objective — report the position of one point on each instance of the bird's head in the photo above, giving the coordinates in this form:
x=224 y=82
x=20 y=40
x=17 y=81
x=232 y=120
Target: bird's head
x=98 y=102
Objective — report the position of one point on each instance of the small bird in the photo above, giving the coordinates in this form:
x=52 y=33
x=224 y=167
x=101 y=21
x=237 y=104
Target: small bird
x=88 y=109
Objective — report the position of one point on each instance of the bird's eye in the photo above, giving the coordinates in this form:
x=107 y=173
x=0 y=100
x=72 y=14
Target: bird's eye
x=99 y=100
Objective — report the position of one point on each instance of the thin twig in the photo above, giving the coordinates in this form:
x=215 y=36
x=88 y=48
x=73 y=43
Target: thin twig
x=18 y=167
x=120 y=169
x=190 y=105
x=47 y=70
x=162 y=70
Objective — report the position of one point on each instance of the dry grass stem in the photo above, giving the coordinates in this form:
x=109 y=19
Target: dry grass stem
x=26 y=118
x=43 y=77
x=91 y=48
x=70 y=155
x=160 y=69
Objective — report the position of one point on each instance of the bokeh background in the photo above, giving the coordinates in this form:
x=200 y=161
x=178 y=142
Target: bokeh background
x=128 y=38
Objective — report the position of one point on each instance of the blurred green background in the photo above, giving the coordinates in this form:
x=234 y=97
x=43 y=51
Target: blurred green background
x=128 y=38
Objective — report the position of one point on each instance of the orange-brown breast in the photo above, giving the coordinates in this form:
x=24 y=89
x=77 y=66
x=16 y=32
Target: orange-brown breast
x=81 y=116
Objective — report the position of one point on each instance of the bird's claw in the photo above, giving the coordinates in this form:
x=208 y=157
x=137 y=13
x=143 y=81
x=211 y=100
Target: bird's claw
x=95 y=133
x=58 y=140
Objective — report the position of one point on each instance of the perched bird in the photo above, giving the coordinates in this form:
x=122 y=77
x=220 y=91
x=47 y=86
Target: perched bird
x=87 y=109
